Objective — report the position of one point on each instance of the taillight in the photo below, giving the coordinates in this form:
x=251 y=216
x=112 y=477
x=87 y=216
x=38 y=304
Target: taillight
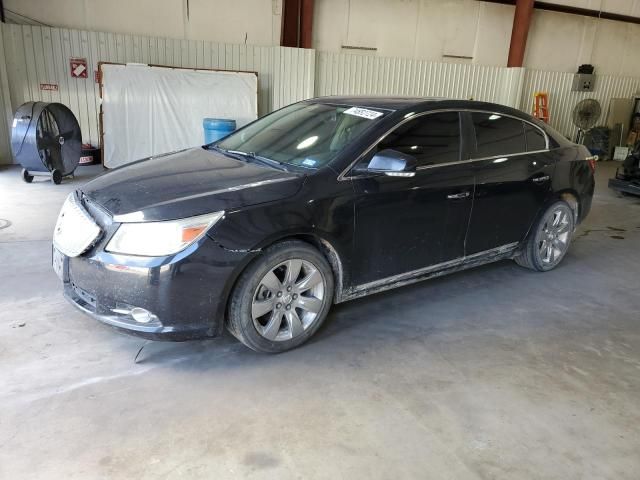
x=592 y=162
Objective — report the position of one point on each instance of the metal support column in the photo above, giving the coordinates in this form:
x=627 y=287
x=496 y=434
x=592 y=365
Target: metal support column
x=520 y=31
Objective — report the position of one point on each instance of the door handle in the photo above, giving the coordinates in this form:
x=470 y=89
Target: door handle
x=457 y=196
x=542 y=179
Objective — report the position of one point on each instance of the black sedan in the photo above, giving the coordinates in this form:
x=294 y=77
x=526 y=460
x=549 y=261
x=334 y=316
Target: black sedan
x=320 y=202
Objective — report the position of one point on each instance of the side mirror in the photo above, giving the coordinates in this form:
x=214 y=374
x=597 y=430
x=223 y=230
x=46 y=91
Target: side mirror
x=393 y=164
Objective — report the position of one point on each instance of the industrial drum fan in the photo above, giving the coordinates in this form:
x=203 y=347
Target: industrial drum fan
x=585 y=116
x=46 y=140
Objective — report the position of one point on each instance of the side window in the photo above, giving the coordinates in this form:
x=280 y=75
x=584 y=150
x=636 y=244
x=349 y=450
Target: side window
x=498 y=135
x=535 y=138
x=432 y=139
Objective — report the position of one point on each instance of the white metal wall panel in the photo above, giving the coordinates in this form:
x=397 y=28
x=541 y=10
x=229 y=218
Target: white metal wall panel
x=562 y=100
x=5 y=108
x=511 y=87
x=38 y=55
x=348 y=74
x=294 y=75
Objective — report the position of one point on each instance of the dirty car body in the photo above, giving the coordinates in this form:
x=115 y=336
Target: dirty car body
x=473 y=179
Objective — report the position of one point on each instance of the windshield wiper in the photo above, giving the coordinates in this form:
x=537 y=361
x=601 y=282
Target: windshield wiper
x=215 y=147
x=250 y=155
x=265 y=161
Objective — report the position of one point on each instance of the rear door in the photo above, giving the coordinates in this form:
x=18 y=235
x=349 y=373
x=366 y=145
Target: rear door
x=513 y=171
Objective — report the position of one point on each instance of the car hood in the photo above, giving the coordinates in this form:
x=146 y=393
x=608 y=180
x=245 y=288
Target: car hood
x=187 y=183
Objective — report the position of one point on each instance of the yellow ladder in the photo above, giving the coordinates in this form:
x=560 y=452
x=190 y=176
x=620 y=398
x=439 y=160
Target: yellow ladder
x=541 y=106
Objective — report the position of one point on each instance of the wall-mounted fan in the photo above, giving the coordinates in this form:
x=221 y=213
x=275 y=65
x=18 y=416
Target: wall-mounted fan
x=585 y=115
x=46 y=140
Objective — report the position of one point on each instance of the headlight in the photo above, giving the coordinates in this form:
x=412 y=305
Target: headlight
x=155 y=239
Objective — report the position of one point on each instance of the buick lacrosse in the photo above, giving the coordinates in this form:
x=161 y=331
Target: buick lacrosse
x=321 y=202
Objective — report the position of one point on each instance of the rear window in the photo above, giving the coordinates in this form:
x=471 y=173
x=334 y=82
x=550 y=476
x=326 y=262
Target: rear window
x=535 y=138
x=498 y=135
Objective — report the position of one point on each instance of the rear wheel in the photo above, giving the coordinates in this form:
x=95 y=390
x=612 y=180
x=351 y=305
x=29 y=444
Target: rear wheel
x=549 y=240
x=56 y=176
x=281 y=300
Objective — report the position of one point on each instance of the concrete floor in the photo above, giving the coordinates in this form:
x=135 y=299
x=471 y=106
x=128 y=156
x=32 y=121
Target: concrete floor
x=496 y=373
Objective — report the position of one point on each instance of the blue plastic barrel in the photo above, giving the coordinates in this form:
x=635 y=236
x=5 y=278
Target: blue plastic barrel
x=217 y=128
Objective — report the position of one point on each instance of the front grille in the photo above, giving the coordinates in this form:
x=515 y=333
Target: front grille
x=85 y=296
x=75 y=230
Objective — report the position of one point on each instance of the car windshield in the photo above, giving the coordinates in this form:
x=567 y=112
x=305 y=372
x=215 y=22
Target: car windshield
x=304 y=134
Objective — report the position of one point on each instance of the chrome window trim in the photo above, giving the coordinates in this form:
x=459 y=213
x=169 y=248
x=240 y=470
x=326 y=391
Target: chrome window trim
x=482 y=159
x=343 y=175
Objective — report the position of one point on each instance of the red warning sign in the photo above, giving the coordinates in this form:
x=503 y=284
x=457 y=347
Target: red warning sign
x=78 y=67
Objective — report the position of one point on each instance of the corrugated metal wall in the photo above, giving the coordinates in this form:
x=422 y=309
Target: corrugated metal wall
x=5 y=109
x=347 y=74
x=38 y=55
x=562 y=100
x=294 y=74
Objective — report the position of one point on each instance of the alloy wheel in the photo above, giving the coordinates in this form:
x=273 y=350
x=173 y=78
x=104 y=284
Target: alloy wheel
x=554 y=236
x=288 y=300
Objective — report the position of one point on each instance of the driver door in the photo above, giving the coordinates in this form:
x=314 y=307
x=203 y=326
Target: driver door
x=404 y=224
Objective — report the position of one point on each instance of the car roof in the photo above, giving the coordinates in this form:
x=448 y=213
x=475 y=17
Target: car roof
x=383 y=102
x=400 y=105
x=418 y=103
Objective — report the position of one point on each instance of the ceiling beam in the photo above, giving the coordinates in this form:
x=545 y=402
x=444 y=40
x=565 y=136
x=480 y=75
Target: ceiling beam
x=585 y=12
x=297 y=23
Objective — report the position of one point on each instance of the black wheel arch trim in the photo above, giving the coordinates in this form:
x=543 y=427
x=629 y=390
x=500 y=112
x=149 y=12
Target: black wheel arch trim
x=320 y=242
x=554 y=197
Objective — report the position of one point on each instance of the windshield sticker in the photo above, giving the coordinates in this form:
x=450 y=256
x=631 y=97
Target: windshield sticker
x=363 y=112
x=309 y=162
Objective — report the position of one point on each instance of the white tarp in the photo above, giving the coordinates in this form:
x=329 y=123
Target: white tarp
x=152 y=110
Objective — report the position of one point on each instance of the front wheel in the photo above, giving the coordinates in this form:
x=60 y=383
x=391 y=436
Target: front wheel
x=549 y=240
x=281 y=299
x=26 y=176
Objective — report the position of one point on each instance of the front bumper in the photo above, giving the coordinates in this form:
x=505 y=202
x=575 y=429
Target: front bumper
x=186 y=292
x=86 y=303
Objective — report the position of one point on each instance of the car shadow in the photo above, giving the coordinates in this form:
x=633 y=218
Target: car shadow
x=415 y=298
x=385 y=318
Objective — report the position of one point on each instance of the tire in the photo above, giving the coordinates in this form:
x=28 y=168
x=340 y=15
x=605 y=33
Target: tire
x=26 y=177
x=258 y=315
x=549 y=239
x=56 y=176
